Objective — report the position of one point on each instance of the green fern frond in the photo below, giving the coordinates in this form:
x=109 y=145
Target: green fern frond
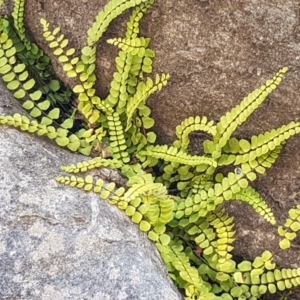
x=92 y=164
x=18 y=14
x=189 y=125
x=161 y=212
x=180 y=269
x=258 y=165
x=144 y=90
x=261 y=276
x=213 y=234
x=105 y=191
x=126 y=79
x=59 y=44
x=242 y=111
x=128 y=65
x=110 y=11
x=118 y=88
x=135 y=46
x=265 y=161
x=172 y=154
x=60 y=136
x=223 y=225
x=84 y=69
x=117 y=141
x=253 y=198
x=86 y=66
x=136 y=175
x=33 y=50
x=210 y=195
x=290 y=228
x=27 y=82
x=227 y=186
x=154 y=189
x=133 y=24
x=241 y=151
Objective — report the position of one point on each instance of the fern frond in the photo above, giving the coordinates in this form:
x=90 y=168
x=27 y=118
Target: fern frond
x=211 y=194
x=264 y=161
x=60 y=136
x=261 y=276
x=8 y=63
x=189 y=125
x=26 y=81
x=110 y=11
x=144 y=90
x=18 y=19
x=173 y=154
x=128 y=66
x=118 y=88
x=126 y=79
x=160 y=212
x=290 y=228
x=253 y=198
x=132 y=28
x=117 y=140
x=213 y=235
x=92 y=164
x=182 y=272
x=223 y=225
x=154 y=189
x=135 y=209
x=258 y=165
x=59 y=44
x=242 y=111
x=84 y=69
x=88 y=183
x=241 y=151
x=136 y=175
x=134 y=46
x=228 y=186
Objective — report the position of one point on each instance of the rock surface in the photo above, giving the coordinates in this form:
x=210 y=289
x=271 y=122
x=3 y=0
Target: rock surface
x=60 y=243
x=216 y=53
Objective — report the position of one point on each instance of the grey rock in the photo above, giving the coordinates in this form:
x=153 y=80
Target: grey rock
x=60 y=243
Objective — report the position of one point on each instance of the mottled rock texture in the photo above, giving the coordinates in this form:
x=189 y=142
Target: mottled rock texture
x=59 y=243
x=216 y=52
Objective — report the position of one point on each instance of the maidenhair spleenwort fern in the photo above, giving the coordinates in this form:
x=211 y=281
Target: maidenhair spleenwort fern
x=174 y=197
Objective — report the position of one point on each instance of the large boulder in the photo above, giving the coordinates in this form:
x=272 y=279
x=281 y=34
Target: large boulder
x=216 y=53
x=60 y=243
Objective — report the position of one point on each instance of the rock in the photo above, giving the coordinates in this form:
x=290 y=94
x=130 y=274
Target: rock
x=57 y=242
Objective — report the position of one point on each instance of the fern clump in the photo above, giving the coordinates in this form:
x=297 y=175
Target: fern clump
x=173 y=196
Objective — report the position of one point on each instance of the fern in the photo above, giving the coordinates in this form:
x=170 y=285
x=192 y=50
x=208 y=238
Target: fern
x=189 y=125
x=241 y=112
x=173 y=196
x=290 y=228
x=110 y=12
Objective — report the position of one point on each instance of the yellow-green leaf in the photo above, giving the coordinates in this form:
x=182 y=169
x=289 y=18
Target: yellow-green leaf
x=144 y=226
x=54 y=113
x=62 y=141
x=29 y=84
